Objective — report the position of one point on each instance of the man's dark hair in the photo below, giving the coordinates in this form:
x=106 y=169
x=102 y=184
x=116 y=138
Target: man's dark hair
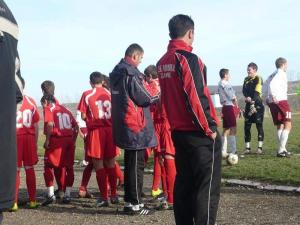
x=96 y=77
x=179 y=25
x=151 y=71
x=223 y=72
x=133 y=48
x=253 y=66
x=48 y=87
x=49 y=98
x=280 y=62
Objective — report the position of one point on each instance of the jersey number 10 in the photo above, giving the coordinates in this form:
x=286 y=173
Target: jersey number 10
x=64 y=121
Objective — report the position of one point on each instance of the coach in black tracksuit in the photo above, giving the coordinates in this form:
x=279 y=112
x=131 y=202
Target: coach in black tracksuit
x=133 y=128
x=10 y=94
x=193 y=120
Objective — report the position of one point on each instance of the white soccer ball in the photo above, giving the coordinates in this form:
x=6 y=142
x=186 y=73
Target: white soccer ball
x=232 y=159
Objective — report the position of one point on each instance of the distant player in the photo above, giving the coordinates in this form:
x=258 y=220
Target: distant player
x=60 y=129
x=27 y=137
x=48 y=88
x=254 y=109
x=95 y=108
x=279 y=106
x=228 y=101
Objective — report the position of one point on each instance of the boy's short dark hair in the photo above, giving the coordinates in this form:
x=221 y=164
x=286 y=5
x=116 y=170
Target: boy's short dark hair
x=253 y=66
x=179 y=25
x=223 y=72
x=280 y=62
x=133 y=48
x=96 y=77
x=48 y=87
x=49 y=98
x=151 y=71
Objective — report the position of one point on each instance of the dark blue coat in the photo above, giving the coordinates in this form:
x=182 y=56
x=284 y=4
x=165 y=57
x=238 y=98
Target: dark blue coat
x=132 y=124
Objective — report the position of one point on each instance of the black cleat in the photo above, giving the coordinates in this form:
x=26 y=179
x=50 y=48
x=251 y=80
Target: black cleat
x=49 y=200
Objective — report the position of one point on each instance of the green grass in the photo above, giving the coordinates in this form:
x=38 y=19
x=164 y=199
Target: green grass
x=266 y=168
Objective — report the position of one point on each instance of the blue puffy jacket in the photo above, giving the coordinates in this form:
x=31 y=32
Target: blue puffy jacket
x=132 y=124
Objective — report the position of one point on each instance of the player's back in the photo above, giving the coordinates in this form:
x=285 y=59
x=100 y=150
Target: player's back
x=96 y=104
x=62 y=119
x=27 y=116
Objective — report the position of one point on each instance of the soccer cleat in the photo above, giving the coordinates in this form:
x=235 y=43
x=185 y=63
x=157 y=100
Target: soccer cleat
x=141 y=211
x=33 y=205
x=66 y=200
x=49 y=200
x=247 y=151
x=161 y=197
x=84 y=194
x=15 y=207
x=259 y=151
x=114 y=200
x=284 y=154
x=156 y=193
x=165 y=206
x=102 y=203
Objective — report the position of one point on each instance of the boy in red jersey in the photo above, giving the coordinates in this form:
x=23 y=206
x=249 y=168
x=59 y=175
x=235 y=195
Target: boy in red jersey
x=95 y=108
x=27 y=136
x=48 y=88
x=61 y=132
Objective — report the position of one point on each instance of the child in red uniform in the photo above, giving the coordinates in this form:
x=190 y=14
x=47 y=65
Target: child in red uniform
x=48 y=88
x=95 y=108
x=27 y=136
x=61 y=131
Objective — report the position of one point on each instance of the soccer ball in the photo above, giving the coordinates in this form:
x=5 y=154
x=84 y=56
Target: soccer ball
x=232 y=159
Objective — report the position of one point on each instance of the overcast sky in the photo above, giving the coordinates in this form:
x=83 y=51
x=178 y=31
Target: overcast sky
x=65 y=40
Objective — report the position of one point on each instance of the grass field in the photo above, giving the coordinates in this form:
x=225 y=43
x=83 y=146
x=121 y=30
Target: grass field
x=267 y=167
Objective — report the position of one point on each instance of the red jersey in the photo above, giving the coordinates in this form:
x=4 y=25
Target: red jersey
x=62 y=118
x=27 y=116
x=96 y=105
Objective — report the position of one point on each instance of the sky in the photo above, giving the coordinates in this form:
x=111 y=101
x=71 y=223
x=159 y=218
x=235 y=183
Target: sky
x=65 y=40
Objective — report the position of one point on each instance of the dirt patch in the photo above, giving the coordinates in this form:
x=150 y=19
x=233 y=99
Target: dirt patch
x=238 y=206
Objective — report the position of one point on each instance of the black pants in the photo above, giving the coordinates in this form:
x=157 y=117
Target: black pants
x=247 y=131
x=257 y=118
x=134 y=161
x=198 y=179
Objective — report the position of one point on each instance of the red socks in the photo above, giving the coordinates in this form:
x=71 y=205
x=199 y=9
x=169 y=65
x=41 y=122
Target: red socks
x=48 y=176
x=170 y=177
x=69 y=177
x=112 y=177
x=31 y=183
x=101 y=180
x=87 y=172
x=157 y=173
x=119 y=173
x=60 y=175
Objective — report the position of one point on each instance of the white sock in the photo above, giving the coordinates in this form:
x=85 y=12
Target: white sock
x=279 y=132
x=232 y=143
x=50 y=191
x=260 y=144
x=283 y=140
x=247 y=144
x=224 y=143
x=68 y=191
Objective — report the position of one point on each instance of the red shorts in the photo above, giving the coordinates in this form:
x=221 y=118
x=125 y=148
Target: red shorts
x=27 y=150
x=61 y=152
x=100 y=143
x=163 y=134
x=228 y=116
x=281 y=112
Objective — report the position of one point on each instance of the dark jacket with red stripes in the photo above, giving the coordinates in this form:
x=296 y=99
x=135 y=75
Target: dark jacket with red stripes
x=132 y=124
x=184 y=93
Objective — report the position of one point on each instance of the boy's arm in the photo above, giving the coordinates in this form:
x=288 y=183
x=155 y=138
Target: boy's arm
x=49 y=129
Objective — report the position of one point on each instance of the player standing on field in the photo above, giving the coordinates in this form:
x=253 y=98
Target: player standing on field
x=254 y=109
x=95 y=108
x=10 y=96
x=279 y=106
x=193 y=120
x=228 y=101
x=27 y=137
x=60 y=129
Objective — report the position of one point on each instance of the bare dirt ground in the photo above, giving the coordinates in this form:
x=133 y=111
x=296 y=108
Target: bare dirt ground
x=238 y=206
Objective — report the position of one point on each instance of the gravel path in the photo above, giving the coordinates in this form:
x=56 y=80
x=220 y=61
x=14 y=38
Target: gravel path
x=238 y=206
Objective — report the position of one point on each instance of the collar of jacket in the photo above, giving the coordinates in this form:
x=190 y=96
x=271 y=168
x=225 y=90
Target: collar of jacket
x=129 y=61
x=179 y=44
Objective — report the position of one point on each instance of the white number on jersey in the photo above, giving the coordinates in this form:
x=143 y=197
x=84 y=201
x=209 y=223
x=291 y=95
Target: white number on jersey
x=64 y=121
x=24 y=118
x=104 y=105
x=288 y=115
